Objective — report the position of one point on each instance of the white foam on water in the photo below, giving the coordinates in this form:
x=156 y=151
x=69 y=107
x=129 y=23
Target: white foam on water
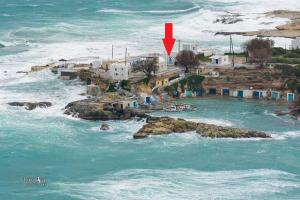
x=219 y=122
x=286 y=135
x=194 y=8
x=47 y=53
x=182 y=184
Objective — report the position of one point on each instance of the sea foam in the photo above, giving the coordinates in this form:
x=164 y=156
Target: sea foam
x=182 y=184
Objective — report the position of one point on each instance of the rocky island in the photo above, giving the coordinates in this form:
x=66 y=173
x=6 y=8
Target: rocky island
x=166 y=125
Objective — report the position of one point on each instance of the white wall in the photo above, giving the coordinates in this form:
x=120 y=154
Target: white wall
x=118 y=71
x=295 y=43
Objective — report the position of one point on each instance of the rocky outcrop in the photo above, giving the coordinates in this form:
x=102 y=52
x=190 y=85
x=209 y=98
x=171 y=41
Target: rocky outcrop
x=30 y=105
x=91 y=109
x=293 y=112
x=163 y=126
x=213 y=131
x=104 y=127
x=228 y=19
x=166 y=125
x=288 y=30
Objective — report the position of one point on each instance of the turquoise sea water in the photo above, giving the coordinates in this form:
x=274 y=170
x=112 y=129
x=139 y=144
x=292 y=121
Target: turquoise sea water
x=80 y=162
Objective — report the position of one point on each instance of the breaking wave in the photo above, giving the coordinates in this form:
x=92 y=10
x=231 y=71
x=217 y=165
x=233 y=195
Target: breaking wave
x=194 y=8
x=183 y=184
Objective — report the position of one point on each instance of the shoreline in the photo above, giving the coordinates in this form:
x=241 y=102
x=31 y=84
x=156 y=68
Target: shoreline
x=289 y=30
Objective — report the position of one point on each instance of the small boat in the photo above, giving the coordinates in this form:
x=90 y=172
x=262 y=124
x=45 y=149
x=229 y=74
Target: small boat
x=178 y=108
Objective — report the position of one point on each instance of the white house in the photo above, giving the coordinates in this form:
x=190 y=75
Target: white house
x=295 y=43
x=96 y=64
x=206 y=52
x=119 y=71
x=190 y=47
x=220 y=60
x=114 y=70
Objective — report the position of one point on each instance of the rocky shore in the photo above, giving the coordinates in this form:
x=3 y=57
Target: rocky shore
x=90 y=109
x=166 y=125
x=31 y=105
x=289 y=30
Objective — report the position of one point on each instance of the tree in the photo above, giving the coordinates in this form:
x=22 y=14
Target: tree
x=259 y=50
x=149 y=66
x=187 y=59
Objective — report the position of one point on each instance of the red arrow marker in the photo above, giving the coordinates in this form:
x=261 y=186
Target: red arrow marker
x=169 y=41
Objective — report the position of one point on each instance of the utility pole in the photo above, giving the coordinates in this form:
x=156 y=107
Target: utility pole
x=112 y=52
x=231 y=51
x=125 y=56
x=178 y=46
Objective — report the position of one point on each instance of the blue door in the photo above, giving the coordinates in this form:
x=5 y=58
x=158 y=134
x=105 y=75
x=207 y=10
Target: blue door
x=175 y=94
x=225 y=92
x=148 y=100
x=199 y=92
x=256 y=94
x=212 y=91
x=240 y=93
x=275 y=95
x=290 y=97
x=189 y=93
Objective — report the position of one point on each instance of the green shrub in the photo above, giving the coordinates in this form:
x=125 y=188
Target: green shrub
x=278 y=51
x=297 y=73
x=125 y=84
x=195 y=82
x=285 y=60
x=146 y=80
x=111 y=88
x=294 y=85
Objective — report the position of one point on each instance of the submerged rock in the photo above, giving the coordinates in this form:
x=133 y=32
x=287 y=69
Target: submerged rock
x=30 y=105
x=166 y=125
x=104 y=127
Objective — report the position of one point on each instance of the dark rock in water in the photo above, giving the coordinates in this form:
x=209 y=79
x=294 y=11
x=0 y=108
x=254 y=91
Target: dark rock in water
x=30 y=105
x=104 y=127
x=294 y=112
x=281 y=112
x=90 y=109
x=22 y=72
x=213 y=131
x=228 y=19
x=163 y=126
x=166 y=125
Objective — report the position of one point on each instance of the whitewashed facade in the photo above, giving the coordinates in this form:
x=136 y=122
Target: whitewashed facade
x=119 y=71
x=220 y=60
x=295 y=43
